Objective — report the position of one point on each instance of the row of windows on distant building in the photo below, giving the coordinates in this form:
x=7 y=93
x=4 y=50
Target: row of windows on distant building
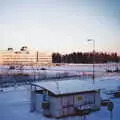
x=24 y=57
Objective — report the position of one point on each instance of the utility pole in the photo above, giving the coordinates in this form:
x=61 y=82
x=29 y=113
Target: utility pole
x=37 y=57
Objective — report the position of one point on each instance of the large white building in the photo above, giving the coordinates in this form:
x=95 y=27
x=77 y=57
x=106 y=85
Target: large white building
x=24 y=57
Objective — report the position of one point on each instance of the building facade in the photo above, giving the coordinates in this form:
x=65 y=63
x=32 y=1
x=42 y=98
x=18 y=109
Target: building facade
x=64 y=98
x=24 y=57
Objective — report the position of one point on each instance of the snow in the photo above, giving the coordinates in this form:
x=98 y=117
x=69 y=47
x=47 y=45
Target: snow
x=15 y=105
x=62 y=68
x=66 y=86
x=15 y=101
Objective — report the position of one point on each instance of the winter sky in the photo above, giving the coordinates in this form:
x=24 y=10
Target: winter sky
x=60 y=25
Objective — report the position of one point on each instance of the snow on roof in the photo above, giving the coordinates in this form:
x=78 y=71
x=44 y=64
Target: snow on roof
x=66 y=86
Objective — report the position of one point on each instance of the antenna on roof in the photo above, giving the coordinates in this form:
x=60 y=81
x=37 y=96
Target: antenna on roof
x=57 y=85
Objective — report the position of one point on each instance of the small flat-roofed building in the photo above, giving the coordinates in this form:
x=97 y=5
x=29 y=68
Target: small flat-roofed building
x=64 y=98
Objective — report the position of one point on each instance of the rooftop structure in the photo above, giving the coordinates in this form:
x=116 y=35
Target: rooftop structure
x=65 y=86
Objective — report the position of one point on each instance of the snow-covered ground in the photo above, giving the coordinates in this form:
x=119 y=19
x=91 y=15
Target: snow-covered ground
x=67 y=70
x=65 y=67
x=15 y=101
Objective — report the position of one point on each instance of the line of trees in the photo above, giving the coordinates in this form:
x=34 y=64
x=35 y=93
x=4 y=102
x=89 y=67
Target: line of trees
x=87 y=57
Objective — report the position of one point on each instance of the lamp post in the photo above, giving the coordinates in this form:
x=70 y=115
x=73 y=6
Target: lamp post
x=89 y=40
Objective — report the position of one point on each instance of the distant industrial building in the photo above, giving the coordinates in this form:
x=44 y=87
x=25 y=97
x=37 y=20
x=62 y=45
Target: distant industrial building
x=63 y=98
x=24 y=57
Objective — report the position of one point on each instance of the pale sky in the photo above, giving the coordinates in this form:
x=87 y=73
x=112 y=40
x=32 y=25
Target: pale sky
x=60 y=25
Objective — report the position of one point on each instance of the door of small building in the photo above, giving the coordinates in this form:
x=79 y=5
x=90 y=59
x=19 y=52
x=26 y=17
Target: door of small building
x=67 y=105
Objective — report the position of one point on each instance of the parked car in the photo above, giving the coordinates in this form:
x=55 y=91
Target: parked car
x=105 y=102
x=43 y=69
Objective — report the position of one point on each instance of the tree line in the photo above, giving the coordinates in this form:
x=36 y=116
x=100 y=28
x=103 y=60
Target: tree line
x=86 y=57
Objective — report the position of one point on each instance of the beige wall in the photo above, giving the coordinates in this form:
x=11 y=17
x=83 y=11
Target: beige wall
x=24 y=58
x=1 y=58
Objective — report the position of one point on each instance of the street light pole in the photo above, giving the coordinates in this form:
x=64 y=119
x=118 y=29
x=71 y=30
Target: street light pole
x=93 y=58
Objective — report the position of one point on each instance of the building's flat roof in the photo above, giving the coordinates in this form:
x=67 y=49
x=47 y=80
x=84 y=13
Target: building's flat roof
x=66 y=86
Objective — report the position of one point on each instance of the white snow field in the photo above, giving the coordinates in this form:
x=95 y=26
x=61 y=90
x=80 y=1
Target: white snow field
x=15 y=101
x=82 y=70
